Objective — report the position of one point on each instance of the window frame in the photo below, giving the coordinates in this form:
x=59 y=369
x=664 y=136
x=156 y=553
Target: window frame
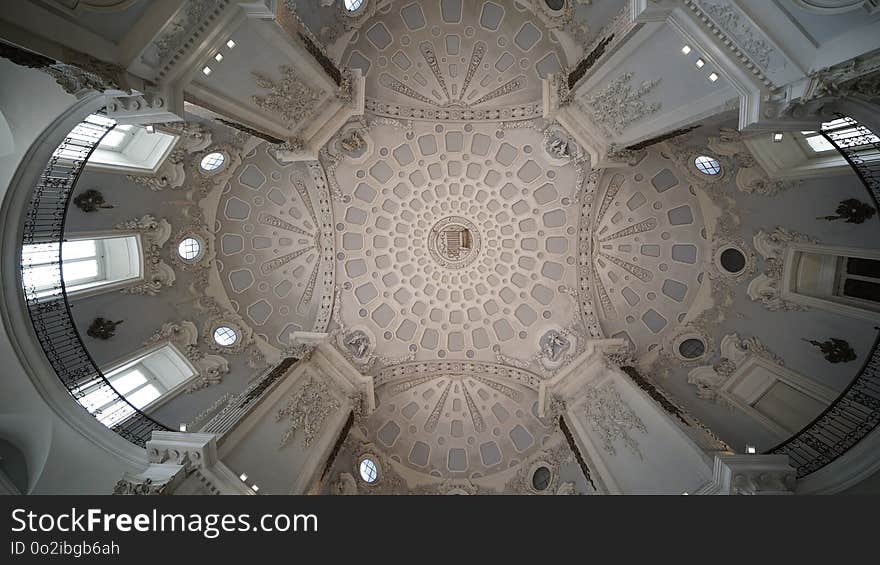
x=141 y=153
x=830 y=300
x=100 y=284
x=746 y=387
x=842 y=275
x=137 y=357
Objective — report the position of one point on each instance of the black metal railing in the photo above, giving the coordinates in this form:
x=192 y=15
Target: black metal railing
x=856 y=412
x=46 y=295
x=851 y=417
x=861 y=149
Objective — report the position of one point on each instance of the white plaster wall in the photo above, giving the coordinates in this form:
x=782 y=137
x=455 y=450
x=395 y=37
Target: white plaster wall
x=666 y=460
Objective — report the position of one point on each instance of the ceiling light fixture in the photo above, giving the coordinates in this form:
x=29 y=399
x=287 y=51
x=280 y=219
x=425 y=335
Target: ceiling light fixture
x=218 y=57
x=256 y=488
x=777 y=136
x=751 y=450
x=243 y=477
x=686 y=49
x=700 y=63
x=183 y=427
x=206 y=71
x=713 y=77
x=230 y=44
x=151 y=129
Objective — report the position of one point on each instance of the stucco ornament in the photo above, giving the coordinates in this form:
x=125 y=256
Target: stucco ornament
x=184 y=336
x=766 y=288
x=735 y=350
x=193 y=138
x=290 y=98
x=611 y=418
x=618 y=104
x=154 y=235
x=307 y=409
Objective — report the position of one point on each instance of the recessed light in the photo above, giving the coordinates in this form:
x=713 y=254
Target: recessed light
x=686 y=49
x=243 y=477
x=750 y=449
x=206 y=71
x=713 y=77
x=152 y=129
x=777 y=136
x=182 y=426
x=700 y=63
x=230 y=44
x=256 y=488
x=218 y=57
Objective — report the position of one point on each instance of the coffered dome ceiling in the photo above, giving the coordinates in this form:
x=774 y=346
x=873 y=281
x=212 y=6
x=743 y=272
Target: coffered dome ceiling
x=455 y=240
x=649 y=244
x=438 y=227
x=457 y=419
x=434 y=60
x=274 y=235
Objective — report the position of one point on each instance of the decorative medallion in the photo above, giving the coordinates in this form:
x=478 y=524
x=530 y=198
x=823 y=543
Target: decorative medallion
x=454 y=242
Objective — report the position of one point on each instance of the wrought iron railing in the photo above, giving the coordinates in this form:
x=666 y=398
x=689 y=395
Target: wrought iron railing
x=46 y=295
x=856 y=412
x=861 y=149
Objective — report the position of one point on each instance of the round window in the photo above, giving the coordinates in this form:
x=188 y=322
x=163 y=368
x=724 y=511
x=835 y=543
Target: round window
x=733 y=260
x=189 y=248
x=369 y=471
x=541 y=478
x=692 y=348
x=225 y=336
x=353 y=5
x=212 y=161
x=707 y=165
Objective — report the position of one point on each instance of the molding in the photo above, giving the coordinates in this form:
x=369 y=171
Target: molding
x=859 y=463
x=723 y=382
x=750 y=475
x=768 y=287
x=804 y=301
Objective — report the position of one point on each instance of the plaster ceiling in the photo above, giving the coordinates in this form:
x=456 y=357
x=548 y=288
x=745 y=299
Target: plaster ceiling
x=435 y=59
x=458 y=247
x=398 y=192
x=272 y=260
x=649 y=249
x=457 y=419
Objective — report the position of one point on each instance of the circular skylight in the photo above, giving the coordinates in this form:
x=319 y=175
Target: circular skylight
x=212 y=161
x=353 y=5
x=707 y=165
x=189 y=248
x=225 y=336
x=369 y=471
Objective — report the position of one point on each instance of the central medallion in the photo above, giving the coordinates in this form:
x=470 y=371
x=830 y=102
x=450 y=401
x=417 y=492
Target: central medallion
x=454 y=242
